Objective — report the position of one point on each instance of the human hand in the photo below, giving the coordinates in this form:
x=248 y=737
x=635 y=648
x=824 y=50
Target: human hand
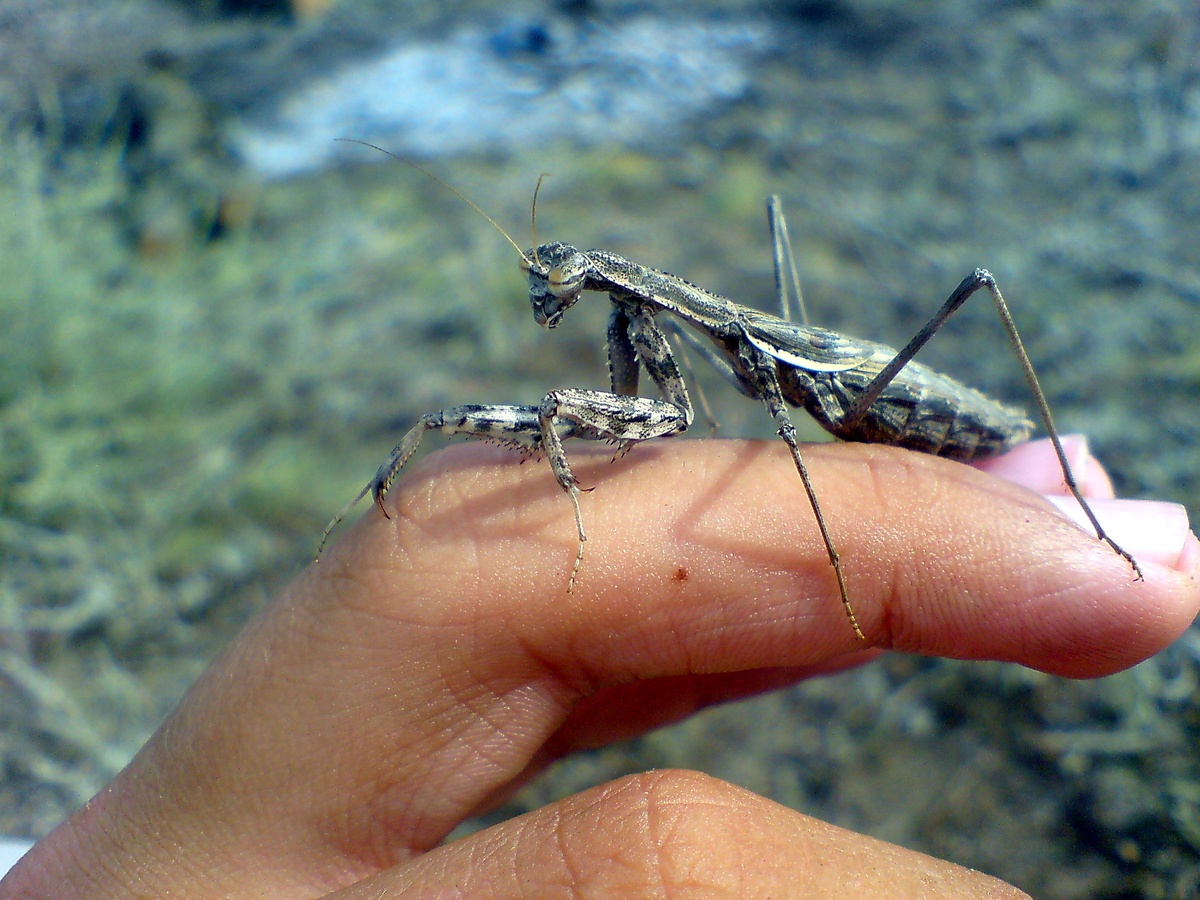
x=432 y=662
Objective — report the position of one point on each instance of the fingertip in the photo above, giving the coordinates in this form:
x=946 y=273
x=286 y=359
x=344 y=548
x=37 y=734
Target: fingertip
x=1189 y=558
x=1151 y=531
x=1036 y=466
x=978 y=569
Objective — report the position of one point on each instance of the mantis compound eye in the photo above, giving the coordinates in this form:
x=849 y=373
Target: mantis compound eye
x=557 y=282
x=564 y=283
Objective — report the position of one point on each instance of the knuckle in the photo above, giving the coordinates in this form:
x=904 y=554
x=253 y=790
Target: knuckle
x=664 y=831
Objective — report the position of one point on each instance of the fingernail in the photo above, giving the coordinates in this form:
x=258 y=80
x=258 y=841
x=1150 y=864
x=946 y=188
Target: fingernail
x=1035 y=465
x=1149 y=530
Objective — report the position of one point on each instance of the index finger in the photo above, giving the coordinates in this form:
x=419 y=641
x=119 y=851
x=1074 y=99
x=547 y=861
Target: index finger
x=705 y=557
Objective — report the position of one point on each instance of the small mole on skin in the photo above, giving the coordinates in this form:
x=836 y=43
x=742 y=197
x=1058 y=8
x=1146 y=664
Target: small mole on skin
x=681 y=574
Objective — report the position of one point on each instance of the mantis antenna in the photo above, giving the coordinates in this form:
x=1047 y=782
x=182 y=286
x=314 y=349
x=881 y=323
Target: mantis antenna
x=533 y=216
x=457 y=193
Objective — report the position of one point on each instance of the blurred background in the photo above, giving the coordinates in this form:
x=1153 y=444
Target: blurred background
x=217 y=320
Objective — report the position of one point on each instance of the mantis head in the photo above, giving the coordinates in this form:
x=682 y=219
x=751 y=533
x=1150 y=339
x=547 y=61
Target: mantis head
x=557 y=272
